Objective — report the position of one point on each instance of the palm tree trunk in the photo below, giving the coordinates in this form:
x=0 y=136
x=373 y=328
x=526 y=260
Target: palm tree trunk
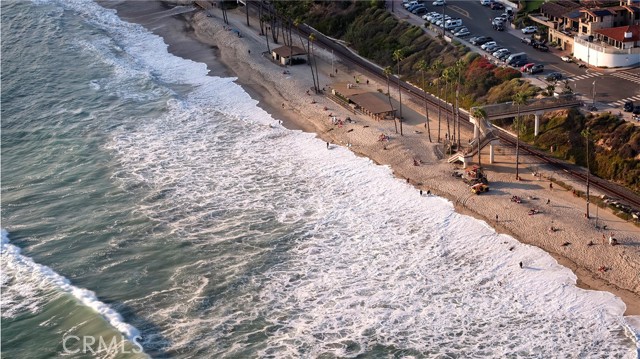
x=518 y=144
x=439 y=107
x=426 y=108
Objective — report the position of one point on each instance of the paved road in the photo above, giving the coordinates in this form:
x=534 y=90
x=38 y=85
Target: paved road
x=612 y=88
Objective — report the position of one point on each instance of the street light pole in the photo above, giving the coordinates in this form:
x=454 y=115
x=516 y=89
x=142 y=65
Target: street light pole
x=594 y=94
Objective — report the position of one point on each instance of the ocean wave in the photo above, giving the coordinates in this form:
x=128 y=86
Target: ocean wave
x=24 y=268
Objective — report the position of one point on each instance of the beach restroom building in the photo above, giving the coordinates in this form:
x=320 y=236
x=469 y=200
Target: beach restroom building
x=289 y=55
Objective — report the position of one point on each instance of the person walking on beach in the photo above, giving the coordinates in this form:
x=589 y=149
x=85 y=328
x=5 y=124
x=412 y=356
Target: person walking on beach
x=496 y=218
x=520 y=265
x=327 y=145
x=550 y=186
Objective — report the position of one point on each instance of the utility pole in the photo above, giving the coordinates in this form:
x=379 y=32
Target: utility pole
x=594 y=94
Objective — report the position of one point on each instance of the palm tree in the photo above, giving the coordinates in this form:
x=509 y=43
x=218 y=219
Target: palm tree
x=479 y=113
x=437 y=67
x=398 y=56
x=459 y=67
x=387 y=72
x=312 y=61
x=422 y=65
x=586 y=133
x=449 y=75
x=519 y=99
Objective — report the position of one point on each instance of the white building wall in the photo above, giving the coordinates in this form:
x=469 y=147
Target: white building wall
x=592 y=54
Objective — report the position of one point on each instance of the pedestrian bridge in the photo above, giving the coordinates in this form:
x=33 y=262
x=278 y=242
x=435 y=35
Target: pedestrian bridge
x=483 y=130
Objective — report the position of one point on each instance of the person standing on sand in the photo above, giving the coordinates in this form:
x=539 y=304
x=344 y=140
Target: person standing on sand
x=327 y=145
x=520 y=265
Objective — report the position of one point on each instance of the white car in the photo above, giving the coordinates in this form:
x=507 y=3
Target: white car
x=566 y=59
x=485 y=2
x=439 y=3
x=499 y=52
x=487 y=44
x=529 y=30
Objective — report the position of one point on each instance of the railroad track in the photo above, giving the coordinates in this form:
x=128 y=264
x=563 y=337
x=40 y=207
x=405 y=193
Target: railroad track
x=612 y=190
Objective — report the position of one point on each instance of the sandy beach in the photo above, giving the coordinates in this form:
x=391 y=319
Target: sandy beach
x=597 y=266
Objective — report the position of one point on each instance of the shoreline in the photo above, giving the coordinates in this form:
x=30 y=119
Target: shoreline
x=227 y=55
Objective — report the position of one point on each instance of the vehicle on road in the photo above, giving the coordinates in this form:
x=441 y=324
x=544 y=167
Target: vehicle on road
x=529 y=30
x=452 y=23
x=628 y=106
x=496 y=6
x=413 y=7
x=554 y=76
x=439 y=3
x=636 y=110
x=526 y=67
x=536 y=69
x=527 y=40
x=498 y=27
x=485 y=2
x=566 y=59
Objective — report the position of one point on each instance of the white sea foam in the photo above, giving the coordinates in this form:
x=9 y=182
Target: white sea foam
x=31 y=276
x=370 y=263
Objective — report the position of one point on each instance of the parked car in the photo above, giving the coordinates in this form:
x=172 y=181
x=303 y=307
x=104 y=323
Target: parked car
x=517 y=62
x=480 y=40
x=628 y=106
x=541 y=47
x=439 y=3
x=413 y=7
x=498 y=52
x=497 y=21
x=420 y=10
x=566 y=59
x=498 y=27
x=462 y=33
x=409 y=4
x=554 y=76
x=529 y=30
x=636 y=110
x=527 y=40
x=485 y=2
x=491 y=48
x=536 y=69
x=487 y=44
x=503 y=56
x=526 y=67
x=496 y=6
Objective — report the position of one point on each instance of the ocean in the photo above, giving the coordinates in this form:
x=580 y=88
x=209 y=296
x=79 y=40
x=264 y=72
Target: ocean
x=151 y=209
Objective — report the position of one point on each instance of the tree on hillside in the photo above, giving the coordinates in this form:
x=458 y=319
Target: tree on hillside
x=480 y=114
x=387 y=72
x=518 y=99
x=437 y=66
x=422 y=65
x=398 y=56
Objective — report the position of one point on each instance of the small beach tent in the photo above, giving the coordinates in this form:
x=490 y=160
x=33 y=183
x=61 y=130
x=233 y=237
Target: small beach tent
x=287 y=55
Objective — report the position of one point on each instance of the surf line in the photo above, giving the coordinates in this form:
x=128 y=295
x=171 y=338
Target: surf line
x=84 y=296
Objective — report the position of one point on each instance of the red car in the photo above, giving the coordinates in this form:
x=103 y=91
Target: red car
x=526 y=67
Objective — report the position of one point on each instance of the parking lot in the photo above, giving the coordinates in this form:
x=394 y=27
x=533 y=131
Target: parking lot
x=611 y=87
